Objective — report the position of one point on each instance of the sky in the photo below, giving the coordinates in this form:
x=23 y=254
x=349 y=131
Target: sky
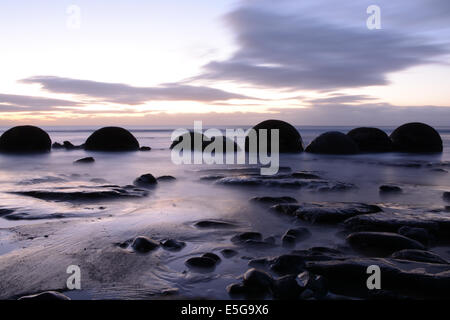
x=172 y=62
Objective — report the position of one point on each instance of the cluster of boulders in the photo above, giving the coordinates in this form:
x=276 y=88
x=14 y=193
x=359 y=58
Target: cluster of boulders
x=31 y=139
x=411 y=137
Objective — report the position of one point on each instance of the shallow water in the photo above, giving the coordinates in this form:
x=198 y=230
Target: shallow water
x=54 y=234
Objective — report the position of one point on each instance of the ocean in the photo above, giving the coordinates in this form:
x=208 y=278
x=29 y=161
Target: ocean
x=40 y=237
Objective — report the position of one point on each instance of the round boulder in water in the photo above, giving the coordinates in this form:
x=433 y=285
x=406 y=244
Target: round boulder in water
x=416 y=137
x=290 y=139
x=112 y=139
x=197 y=141
x=371 y=139
x=333 y=142
x=25 y=139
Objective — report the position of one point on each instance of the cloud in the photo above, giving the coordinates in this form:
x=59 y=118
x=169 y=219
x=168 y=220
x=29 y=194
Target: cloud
x=126 y=94
x=20 y=103
x=301 y=51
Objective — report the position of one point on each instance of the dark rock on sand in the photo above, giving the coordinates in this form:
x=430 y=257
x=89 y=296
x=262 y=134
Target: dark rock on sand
x=242 y=237
x=316 y=283
x=213 y=256
x=304 y=175
x=371 y=139
x=299 y=233
x=290 y=140
x=288 y=264
x=418 y=234
x=203 y=142
x=112 y=139
x=201 y=262
x=274 y=200
x=446 y=196
x=389 y=189
x=236 y=289
x=143 y=244
x=25 y=139
x=173 y=245
x=437 y=224
x=286 y=288
x=418 y=255
x=416 y=137
x=84 y=160
x=257 y=280
x=85 y=193
x=57 y=145
x=270 y=240
x=414 y=279
x=145 y=180
x=46 y=296
x=144 y=148
x=381 y=243
x=229 y=253
x=214 y=224
x=288 y=241
x=333 y=212
x=166 y=178
x=333 y=142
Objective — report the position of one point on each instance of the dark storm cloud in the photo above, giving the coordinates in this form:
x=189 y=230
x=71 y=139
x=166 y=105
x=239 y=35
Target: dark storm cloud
x=126 y=94
x=303 y=52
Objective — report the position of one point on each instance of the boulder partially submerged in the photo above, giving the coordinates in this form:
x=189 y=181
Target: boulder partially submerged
x=333 y=142
x=371 y=139
x=25 y=139
x=112 y=139
x=290 y=140
x=416 y=137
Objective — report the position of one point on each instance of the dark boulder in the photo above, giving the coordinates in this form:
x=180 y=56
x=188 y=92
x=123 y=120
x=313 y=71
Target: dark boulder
x=229 y=253
x=199 y=142
x=166 y=178
x=245 y=236
x=173 y=245
x=388 y=189
x=274 y=200
x=290 y=140
x=286 y=288
x=112 y=139
x=213 y=256
x=419 y=234
x=371 y=139
x=333 y=142
x=201 y=262
x=418 y=255
x=145 y=180
x=381 y=243
x=143 y=244
x=144 y=148
x=446 y=196
x=255 y=279
x=25 y=139
x=214 y=224
x=84 y=160
x=416 y=137
x=288 y=241
x=299 y=233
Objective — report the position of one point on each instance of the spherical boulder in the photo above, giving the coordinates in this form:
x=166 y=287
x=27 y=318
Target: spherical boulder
x=25 y=139
x=112 y=139
x=290 y=140
x=199 y=142
x=333 y=142
x=416 y=137
x=371 y=139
